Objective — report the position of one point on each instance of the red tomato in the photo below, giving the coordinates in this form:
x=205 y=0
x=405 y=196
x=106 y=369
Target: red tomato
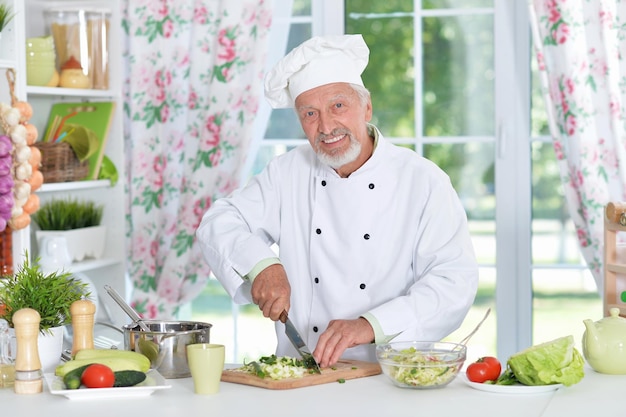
x=484 y=369
x=98 y=376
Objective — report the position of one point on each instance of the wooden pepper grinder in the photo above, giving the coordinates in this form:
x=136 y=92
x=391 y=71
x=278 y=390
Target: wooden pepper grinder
x=27 y=364
x=82 y=324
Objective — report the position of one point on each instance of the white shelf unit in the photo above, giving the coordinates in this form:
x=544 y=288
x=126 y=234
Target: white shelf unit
x=614 y=258
x=111 y=268
x=12 y=56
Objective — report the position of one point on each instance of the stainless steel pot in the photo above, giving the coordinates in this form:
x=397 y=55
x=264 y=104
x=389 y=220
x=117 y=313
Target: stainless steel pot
x=166 y=343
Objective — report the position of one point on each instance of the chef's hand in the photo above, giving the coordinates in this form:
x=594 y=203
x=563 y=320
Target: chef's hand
x=271 y=291
x=339 y=336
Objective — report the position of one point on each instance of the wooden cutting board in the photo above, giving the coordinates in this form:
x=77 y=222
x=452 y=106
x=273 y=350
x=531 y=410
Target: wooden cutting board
x=344 y=369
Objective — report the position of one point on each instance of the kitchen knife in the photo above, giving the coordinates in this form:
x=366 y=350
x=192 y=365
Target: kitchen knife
x=298 y=343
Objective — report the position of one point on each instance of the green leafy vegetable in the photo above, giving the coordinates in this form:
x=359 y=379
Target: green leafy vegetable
x=507 y=378
x=554 y=362
x=309 y=362
x=258 y=369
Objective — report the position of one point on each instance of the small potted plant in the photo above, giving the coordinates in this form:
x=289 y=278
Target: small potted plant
x=78 y=221
x=6 y=15
x=51 y=295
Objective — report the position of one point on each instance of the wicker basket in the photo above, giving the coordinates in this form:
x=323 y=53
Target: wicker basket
x=60 y=164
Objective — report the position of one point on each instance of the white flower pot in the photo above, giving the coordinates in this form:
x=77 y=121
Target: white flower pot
x=82 y=243
x=50 y=349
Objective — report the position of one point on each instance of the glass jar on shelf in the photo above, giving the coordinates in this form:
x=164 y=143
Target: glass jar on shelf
x=6 y=252
x=82 y=36
x=7 y=361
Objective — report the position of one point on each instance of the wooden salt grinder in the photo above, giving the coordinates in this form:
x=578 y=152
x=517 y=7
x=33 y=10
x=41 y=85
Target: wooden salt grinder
x=28 y=378
x=82 y=324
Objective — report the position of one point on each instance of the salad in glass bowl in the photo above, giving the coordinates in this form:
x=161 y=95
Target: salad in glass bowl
x=421 y=365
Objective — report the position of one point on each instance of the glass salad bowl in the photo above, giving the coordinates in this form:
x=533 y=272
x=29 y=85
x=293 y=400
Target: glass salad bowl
x=421 y=365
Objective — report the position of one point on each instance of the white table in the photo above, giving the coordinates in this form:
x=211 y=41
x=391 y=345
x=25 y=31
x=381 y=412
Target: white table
x=371 y=396
x=596 y=395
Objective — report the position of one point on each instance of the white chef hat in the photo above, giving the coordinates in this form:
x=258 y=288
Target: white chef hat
x=318 y=61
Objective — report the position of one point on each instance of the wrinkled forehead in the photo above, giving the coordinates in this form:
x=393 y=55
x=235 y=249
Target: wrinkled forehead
x=326 y=94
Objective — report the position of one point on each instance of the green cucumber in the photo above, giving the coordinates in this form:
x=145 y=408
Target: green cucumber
x=128 y=378
x=72 y=378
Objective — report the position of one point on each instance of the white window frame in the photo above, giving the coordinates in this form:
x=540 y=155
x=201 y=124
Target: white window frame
x=514 y=296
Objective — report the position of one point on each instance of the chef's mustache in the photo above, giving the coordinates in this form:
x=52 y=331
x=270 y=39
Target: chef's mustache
x=335 y=132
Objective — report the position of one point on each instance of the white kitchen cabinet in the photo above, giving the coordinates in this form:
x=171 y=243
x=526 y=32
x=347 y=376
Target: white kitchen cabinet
x=30 y=22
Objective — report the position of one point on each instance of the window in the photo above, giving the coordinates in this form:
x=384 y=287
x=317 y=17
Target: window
x=431 y=75
x=453 y=81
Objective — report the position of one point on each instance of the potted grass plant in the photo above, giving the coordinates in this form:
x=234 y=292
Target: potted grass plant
x=78 y=221
x=51 y=295
x=6 y=15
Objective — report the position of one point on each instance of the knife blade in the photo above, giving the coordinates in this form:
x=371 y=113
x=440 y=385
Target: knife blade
x=296 y=340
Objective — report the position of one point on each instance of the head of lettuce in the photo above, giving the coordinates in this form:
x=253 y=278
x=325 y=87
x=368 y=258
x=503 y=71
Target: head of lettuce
x=554 y=362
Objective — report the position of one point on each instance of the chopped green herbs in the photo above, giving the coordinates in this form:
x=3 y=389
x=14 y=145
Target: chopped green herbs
x=275 y=367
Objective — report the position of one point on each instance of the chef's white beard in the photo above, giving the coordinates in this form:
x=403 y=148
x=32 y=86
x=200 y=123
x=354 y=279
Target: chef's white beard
x=338 y=160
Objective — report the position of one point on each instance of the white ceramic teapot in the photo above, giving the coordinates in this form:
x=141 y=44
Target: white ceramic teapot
x=604 y=344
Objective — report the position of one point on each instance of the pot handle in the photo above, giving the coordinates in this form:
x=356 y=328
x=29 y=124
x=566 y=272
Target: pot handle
x=167 y=335
x=127 y=308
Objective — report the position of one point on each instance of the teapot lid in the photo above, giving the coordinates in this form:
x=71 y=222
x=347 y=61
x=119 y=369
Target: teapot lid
x=613 y=319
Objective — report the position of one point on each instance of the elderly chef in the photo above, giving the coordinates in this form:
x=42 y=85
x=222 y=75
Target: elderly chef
x=372 y=239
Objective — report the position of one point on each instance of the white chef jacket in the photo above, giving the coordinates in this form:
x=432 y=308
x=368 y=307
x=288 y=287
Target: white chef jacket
x=391 y=240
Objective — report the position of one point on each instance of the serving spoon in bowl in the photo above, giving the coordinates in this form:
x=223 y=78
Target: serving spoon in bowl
x=464 y=341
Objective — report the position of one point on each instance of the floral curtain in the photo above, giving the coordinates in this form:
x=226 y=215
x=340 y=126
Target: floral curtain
x=581 y=52
x=194 y=81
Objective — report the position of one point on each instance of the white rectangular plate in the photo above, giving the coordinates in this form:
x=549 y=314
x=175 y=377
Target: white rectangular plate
x=154 y=381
